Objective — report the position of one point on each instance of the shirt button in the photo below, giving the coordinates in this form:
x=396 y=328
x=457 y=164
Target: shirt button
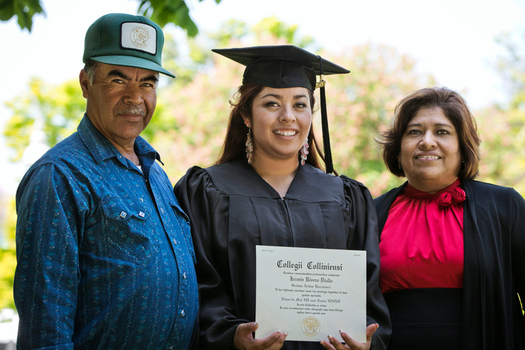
x=182 y=313
x=184 y=275
x=162 y=210
x=174 y=241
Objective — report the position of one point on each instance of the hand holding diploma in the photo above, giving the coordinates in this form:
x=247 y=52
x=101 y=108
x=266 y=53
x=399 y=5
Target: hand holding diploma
x=350 y=343
x=244 y=338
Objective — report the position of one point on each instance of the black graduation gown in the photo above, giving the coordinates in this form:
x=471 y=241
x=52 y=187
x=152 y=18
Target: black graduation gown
x=232 y=209
x=494 y=271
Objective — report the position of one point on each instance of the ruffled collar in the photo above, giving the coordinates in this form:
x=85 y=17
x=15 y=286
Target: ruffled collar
x=444 y=197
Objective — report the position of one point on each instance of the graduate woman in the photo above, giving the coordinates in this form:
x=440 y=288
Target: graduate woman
x=268 y=189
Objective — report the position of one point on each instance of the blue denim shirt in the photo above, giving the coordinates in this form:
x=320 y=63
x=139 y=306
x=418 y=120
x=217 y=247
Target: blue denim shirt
x=105 y=256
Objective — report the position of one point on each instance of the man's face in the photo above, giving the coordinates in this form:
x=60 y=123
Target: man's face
x=121 y=101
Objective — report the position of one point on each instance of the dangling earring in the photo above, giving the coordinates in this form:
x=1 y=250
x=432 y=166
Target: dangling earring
x=398 y=163
x=304 y=152
x=249 y=146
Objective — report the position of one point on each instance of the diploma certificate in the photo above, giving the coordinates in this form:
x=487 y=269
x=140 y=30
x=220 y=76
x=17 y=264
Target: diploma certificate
x=310 y=293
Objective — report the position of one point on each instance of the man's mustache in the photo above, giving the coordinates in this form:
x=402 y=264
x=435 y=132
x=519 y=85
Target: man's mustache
x=132 y=110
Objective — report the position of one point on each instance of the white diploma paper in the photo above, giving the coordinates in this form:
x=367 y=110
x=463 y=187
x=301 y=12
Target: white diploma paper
x=311 y=293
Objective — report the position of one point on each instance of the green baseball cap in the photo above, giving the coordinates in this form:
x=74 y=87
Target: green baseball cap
x=125 y=40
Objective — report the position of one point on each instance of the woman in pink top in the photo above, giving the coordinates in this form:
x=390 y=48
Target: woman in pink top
x=452 y=249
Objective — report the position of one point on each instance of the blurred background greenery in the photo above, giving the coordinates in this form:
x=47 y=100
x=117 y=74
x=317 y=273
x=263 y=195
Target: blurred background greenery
x=191 y=117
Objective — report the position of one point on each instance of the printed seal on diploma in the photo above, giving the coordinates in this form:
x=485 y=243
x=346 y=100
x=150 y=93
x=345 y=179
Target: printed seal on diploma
x=310 y=326
x=310 y=293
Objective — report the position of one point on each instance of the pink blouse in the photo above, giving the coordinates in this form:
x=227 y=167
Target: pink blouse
x=422 y=242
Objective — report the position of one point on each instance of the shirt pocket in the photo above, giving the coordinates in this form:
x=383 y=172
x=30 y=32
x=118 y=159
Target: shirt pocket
x=128 y=232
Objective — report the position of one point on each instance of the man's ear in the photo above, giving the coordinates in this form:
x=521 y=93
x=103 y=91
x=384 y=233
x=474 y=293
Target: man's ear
x=84 y=83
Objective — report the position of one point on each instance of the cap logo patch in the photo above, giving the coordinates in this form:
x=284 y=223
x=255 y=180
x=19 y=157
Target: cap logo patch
x=139 y=36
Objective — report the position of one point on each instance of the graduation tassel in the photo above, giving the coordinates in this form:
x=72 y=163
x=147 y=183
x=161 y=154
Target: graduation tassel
x=326 y=134
x=324 y=121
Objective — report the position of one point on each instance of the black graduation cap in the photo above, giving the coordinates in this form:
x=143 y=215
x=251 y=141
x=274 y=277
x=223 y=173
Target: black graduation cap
x=285 y=66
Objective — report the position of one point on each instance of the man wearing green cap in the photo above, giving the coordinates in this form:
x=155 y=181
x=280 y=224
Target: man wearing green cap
x=105 y=255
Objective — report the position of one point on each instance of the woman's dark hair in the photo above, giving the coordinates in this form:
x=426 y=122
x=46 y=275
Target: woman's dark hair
x=454 y=108
x=234 y=146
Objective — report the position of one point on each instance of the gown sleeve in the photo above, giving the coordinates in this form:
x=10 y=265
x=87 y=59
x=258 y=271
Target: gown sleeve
x=517 y=236
x=363 y=217
x=200 y=199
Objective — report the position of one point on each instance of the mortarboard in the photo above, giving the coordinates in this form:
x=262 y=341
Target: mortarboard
x=285 y=66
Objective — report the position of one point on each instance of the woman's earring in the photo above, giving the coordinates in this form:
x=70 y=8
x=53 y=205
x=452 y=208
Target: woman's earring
x=304 y=152
x=398 y=163
x=249 y=146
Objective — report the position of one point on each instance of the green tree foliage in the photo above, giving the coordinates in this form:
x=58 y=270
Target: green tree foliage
x=170 y=11
x=24 y=10
x=7 y=252
x=503 y=148
x=55 y=110
x=502 y=127
x=160 y=11
x=511 y=64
